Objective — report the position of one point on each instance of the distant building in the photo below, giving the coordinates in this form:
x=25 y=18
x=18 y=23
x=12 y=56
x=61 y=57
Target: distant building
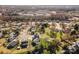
x=74 y=18
x=54 y=12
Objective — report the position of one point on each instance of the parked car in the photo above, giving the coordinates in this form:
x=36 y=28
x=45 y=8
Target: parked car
x=23 y=44
x=12 y=44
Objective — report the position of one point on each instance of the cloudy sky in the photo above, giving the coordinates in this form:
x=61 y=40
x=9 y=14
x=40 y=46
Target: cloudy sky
x=39 y=2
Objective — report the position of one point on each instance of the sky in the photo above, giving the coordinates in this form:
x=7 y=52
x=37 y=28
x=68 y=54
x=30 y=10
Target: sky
x=39 y=2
